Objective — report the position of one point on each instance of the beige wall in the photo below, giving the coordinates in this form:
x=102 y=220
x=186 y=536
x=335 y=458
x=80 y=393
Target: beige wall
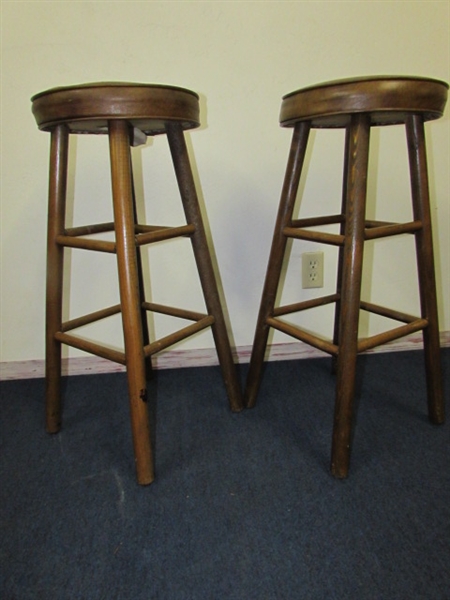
x=241 y=57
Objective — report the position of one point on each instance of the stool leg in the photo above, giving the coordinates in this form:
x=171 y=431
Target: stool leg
x=191 y=207
x=145 y=331
x=130 y=298
x=278 y=249
x=425 y=265
x=340 y=266
x=358 y=154
x=55 y=255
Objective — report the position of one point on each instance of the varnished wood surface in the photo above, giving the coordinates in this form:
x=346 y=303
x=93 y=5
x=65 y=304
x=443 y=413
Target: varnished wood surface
x=87 y=108
x=388 y=100
x=357 y=105
x=189 y=198
x=284 y=217
x=127 y=266
x=418 y=169
x=113 y=109
x=59 y=153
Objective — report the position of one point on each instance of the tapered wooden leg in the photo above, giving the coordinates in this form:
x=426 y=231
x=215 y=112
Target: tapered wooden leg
x=425 y=264
x=340 y=265
x=130 y=298
x=55 y=255
x=358 y=154
x=145 y=331
x=278 y=249
x=191 y=206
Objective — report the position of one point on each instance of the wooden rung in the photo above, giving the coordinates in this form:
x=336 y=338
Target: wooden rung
x=164 y=234
x=89 y=229
x=374 y=232
x=173 y=312
x=393 y=334
x=177 y=336
x=138 y=228
x=314 y=221
x=387 y=312
x=372 y=223
x=86 y=244
x=315 y=236
x=299 y=306
x=303 y=336
x=91 y=347
x=90 y=318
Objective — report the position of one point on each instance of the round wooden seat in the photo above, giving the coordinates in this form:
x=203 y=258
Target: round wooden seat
x=387 y=99
x=87 y=108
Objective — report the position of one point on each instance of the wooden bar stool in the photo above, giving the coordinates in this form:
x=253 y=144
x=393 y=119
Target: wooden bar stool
x=125 y=111
x=356 y=105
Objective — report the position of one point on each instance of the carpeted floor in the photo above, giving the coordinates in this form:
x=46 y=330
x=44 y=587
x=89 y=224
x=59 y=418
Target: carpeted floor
x=243 y=507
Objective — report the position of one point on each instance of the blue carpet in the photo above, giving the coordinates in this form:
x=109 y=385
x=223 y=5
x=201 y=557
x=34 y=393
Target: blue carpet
x=243 y=507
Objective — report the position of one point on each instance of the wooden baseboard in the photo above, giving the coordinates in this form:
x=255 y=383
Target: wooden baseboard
x=175 y=359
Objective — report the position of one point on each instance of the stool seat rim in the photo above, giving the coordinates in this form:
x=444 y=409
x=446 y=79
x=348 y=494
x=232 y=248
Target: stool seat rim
x=112 y=84
x=387 y=98
x=89 y=107
x=368 y=78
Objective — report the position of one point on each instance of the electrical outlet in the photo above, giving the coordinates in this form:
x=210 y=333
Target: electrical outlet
x=312 y=269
